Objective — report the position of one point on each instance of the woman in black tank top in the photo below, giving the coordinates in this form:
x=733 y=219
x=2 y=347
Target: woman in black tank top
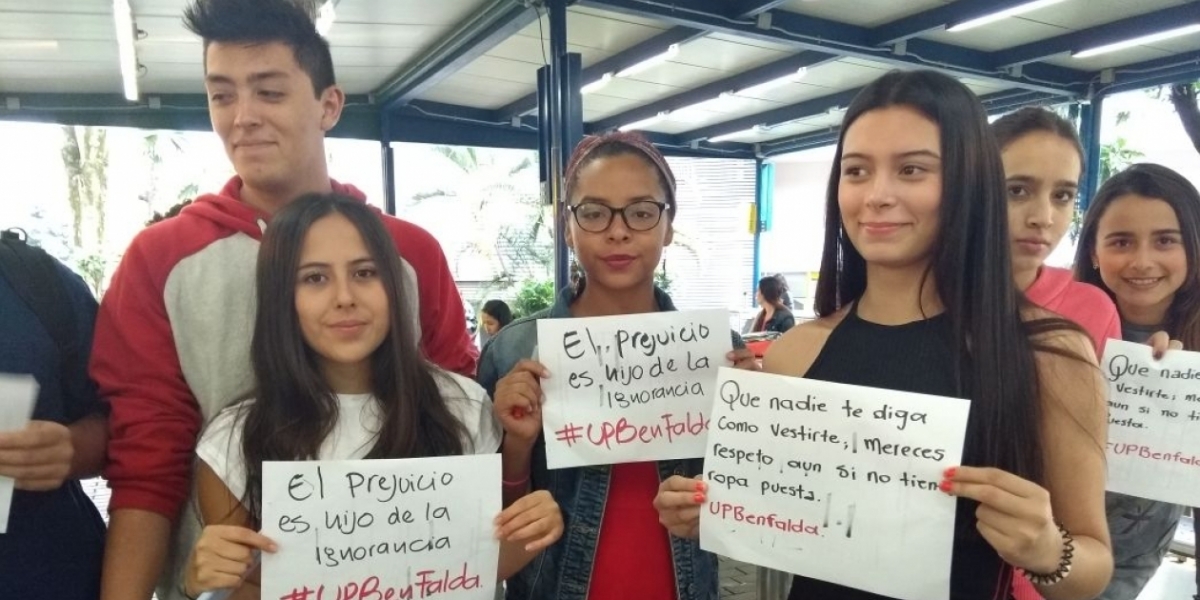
x=916 y=294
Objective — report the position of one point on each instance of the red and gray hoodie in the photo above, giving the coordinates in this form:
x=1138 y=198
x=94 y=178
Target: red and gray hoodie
x=172 y=343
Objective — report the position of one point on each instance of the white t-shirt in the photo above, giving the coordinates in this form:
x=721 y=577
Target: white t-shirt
x=354 y=433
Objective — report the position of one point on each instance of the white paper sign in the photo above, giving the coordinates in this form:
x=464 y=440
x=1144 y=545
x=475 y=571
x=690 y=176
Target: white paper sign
x=414 y=528
x=1153 y=422
x=629 y=388
x=18 y=393
x=833 y=482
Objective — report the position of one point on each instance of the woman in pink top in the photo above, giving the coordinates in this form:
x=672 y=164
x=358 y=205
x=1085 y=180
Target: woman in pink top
x=1043 y=161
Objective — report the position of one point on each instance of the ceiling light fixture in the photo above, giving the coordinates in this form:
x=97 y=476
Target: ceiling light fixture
x=644 y=123
x=596 y=85
x=653 y=61
x=1003 y=14
x=1138 y=41
x=126 y=31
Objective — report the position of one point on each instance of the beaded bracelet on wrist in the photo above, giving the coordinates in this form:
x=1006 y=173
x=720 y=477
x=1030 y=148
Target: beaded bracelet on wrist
x=1064 y=564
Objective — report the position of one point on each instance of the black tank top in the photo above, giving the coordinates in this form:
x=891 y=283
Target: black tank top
x=915 y=357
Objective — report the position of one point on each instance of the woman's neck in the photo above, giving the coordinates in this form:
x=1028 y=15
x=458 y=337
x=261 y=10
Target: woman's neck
x=345 y=378
x=596 y=301
x=899 y=296
x=1025 y=278
x=1145 y=316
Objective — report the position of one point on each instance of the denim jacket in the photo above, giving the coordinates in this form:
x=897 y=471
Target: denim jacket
x=564 y=570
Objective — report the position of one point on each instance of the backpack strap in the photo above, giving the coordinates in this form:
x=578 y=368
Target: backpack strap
x=34 y=275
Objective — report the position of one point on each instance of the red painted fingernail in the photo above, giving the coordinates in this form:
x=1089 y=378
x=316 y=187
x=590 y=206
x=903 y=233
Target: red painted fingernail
x=699 y=498
x=700 y=487
x=946 y=486
x=949 y=473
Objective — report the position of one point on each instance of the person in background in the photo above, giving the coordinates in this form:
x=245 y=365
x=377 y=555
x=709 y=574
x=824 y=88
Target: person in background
x=1043 y=162
x=54 y=545
x=172 y=343
x=621 y=202
x=338 y=377
x=916 y=294
x=773 y=315
x=1140 y=244
x=495 y=315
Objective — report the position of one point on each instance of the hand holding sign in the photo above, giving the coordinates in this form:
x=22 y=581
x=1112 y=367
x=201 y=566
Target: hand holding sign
x=1161 y=342
x=536 y=517
x=223 y=557
x=678 y=503
x=518 y=400
x=38 y=456
x=1014 y=516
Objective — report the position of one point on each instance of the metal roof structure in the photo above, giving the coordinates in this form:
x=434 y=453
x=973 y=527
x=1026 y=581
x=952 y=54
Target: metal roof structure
x=732 y=78
x=465 y=71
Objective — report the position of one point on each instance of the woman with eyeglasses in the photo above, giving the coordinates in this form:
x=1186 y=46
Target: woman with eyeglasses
x=621 y=199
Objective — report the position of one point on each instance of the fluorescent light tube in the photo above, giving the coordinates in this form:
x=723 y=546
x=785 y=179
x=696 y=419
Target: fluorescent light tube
x=653 y=61
x=1004 y=14
x=766 y=86
x=737 y=134
x=326 y=15
x=123 y=18
x=1138 y=41
x=644 y=123
x=596 y=85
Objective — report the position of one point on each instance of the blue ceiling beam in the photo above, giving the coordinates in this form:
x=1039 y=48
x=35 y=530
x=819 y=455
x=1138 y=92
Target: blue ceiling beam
x=472 y=38
x=1100 y=35
x=998 y=102
x=625 y=58
x=418 y=122
x=938 y=18
x=744 y=9
x=179 y=112
x=1169 y=70
x=777 y=116
x=768 y=72
x=798 y=143
x=809 y=33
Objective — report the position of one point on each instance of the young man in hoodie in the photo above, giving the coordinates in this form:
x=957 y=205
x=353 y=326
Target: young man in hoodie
x=173 y=333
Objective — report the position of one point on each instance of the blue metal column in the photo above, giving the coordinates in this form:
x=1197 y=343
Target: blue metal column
x=389 y=163
x=756 y=226
x=1089 y=133
x=565 y=121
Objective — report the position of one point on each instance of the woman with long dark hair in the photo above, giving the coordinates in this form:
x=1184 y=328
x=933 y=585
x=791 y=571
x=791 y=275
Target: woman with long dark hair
x=916 y=294
x=622 y=205
x=338 y=376
x=1043 y=162
x=773 y=315
x=496 y=315
x=1140 y=243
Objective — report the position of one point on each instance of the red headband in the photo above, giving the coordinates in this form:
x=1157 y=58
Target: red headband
x=589 y=144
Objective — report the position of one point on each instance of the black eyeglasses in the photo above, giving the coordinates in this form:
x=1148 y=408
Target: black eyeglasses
x=595 y=217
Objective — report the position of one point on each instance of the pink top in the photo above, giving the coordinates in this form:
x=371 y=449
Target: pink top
x=1055 y=290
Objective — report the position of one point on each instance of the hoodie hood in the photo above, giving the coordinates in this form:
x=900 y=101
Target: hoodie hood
x=226 y=208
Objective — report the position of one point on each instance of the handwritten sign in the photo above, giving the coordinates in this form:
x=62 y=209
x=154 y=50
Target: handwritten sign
x=833 y=482
x=629 y=388
x=1153 y=422
x=18 y=393
x=401 y=529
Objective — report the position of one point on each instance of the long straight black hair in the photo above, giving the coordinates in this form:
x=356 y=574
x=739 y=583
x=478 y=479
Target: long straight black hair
x=1160 y=183
x=294 y=408
x=971 y=269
